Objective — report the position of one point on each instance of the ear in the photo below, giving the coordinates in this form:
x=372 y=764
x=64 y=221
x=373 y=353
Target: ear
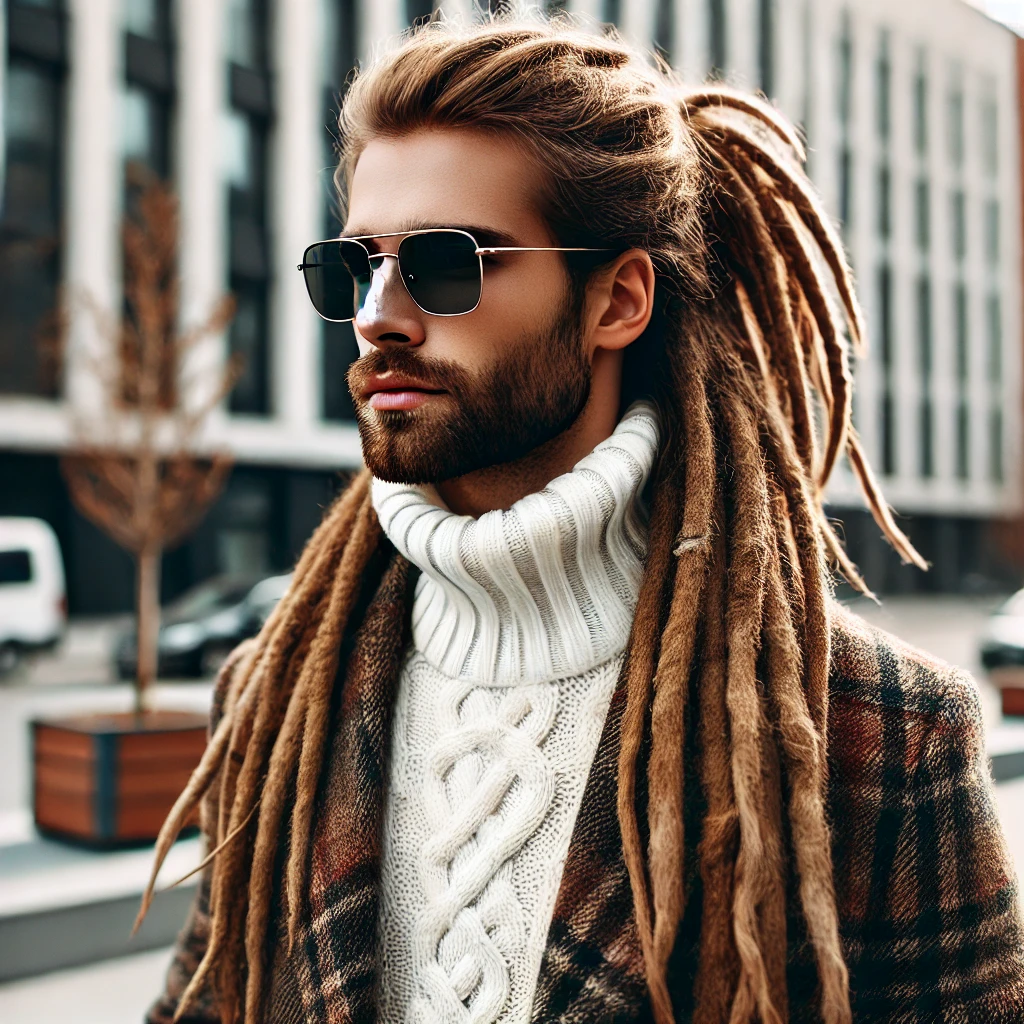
x=620 y=301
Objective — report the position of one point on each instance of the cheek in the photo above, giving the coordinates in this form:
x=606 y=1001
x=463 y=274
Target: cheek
x=516 y=302
x=530 y=288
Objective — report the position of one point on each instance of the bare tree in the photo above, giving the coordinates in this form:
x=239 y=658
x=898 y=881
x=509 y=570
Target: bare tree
x=137 y=469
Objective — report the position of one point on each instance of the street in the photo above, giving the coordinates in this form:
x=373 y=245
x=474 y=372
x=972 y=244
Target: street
x=117 y=991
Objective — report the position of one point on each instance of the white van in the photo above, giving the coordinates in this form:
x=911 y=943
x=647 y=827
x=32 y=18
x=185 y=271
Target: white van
x=33 y=604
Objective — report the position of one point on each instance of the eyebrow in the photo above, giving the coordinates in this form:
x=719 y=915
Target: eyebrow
x=485 y=236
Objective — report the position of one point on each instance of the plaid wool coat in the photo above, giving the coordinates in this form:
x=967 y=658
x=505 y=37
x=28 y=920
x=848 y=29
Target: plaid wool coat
x=927 y=897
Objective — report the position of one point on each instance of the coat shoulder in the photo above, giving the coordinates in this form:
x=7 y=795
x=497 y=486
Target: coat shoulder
x=925 y=888
x=875 y=669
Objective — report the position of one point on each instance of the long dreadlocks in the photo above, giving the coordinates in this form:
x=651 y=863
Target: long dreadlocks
x=752 y=373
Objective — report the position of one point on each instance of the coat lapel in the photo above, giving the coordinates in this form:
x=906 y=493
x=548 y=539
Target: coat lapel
x=592 y=969
x=335 y=959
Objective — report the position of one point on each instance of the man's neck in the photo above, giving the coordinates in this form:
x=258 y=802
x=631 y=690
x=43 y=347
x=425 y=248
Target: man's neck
x=500 y=487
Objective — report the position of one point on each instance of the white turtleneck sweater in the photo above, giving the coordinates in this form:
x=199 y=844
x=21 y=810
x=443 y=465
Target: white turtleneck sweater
x=519 y=627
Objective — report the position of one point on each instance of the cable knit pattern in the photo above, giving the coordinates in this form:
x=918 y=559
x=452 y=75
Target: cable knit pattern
x=520 y=622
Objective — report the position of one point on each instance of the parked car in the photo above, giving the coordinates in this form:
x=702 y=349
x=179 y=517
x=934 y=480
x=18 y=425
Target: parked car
x=1002 y=644
x=199 y=630
x=33 y=603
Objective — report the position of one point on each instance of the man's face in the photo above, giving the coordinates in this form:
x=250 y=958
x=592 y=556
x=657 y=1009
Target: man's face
x=438 y=397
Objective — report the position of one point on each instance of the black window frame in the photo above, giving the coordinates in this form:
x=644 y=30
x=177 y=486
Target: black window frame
x=150 y=65
x=36 y=38
x=665 y=30
x=766 y=18
x=337 y=341
x=718 y=38
x=250 y=258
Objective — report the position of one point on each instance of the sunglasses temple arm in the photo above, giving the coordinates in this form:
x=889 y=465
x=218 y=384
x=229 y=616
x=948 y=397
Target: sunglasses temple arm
x=537 y=248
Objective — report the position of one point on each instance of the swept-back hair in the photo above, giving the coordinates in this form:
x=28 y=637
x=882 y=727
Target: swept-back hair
x=748 y=359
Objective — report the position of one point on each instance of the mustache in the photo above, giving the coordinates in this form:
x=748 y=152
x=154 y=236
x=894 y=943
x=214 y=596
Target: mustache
x=439 y=374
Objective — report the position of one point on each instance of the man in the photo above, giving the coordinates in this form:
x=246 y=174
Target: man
x=559 y=720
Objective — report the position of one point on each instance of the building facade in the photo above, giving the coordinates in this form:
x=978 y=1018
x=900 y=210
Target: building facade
x=912 y=114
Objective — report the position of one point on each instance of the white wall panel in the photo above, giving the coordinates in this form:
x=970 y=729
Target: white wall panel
x=93 y=184
x=201 y=99
x=296 y=211
x=382 y=22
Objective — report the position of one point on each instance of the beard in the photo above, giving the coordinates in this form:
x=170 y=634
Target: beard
x=531 y=394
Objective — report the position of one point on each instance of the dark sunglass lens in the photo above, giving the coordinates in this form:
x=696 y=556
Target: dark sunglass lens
x=336 y=273
x=441 y=270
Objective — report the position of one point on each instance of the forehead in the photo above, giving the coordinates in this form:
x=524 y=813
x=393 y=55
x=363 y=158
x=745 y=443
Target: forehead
x=438 y=177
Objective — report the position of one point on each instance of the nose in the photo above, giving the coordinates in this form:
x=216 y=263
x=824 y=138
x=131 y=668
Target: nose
x=388 y=315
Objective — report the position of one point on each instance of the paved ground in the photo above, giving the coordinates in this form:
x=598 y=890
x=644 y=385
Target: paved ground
x=117 y=992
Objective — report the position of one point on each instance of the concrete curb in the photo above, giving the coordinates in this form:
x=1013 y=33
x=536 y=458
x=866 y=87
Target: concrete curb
x=53 y=939
x=64 y=906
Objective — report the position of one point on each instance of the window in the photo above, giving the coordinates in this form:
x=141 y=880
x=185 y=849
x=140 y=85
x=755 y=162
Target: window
x=960 y=322
x=245 y=142
x=990 y=137
x=243 y=520
x=963 y=437
x=992 y=231
x=845 y=102
x=845 y=186
x=664 y=28
x=146 y=111
x=148 y=97
x=956 y=127
x=718 y=56
x=920 y=107
x=994 y=324
x=885 y=332
x=962 y=412
x=883 y=81
x=958 y=223
x=926 y=414
x=922 y=214
x=337 y=341
x=995 y=445
x=246 y=41
x=884 y=201
x=145 y=131
x=845 y=95
x=419 y=11
x=766 y=45
x=807 y=94
x=994 y=330
x=149 y=19
x=15 y=567
x=30 y=217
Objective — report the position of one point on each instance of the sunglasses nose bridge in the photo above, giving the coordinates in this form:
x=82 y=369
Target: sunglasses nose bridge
x=381 y=284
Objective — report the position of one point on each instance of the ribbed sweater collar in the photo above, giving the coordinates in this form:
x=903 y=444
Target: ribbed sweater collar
x=542 y=591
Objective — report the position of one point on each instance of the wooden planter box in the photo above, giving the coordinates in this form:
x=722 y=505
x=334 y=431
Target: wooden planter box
x=1010 y=681
x=108 y=780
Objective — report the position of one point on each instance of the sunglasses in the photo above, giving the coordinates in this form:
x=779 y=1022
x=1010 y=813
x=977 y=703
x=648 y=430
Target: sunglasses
x=442 y=270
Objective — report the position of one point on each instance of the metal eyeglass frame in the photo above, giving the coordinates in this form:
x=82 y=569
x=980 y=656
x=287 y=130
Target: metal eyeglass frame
x=480 y=252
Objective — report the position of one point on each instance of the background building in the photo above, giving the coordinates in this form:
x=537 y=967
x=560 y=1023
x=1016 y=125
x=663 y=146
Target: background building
x=912 y=112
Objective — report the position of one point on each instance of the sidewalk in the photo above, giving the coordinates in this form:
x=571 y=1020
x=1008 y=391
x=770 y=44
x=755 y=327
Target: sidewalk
x=114 y=992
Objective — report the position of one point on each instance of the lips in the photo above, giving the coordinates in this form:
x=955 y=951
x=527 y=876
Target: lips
x=389 y=392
